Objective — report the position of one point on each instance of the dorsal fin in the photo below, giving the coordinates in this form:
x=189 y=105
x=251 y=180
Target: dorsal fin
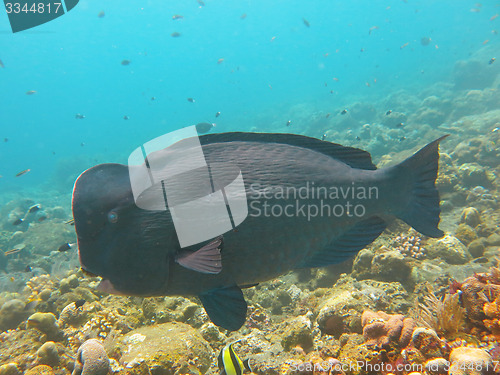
x=353 y=157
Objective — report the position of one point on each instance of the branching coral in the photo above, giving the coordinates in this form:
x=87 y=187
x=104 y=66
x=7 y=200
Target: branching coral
x=410 y=246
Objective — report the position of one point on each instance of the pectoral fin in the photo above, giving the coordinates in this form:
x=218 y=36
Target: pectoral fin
x=205 y=260
x=226 y=307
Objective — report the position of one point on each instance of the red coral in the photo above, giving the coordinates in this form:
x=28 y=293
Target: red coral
x=408 y=327
x=492 y=311
x=477 y=291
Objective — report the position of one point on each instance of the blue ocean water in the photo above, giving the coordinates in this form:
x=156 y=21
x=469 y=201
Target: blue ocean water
x=272 y=61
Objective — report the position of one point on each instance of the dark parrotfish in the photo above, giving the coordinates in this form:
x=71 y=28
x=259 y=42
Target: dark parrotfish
x=137 y=252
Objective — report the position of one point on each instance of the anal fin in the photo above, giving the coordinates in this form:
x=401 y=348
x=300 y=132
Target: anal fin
x=347 y=245
x=226 y=307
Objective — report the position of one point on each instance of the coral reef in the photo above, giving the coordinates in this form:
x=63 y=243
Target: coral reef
x=164 y=346
x=404 y=300
x=465 y=234
x=469 y=74
x=91 y=359
x=9 y=369
x=48 y=354
x=471 y=217
x=73 y=315
x=297 y=332
x=448 y=248
x=443 y=315
x=492 y=320
x=383 y=264
x=11 y=314
x=436 y=366
x=473 y=361
x=380 y=329
x=40 y=370
x=340 y=310
x=395 y=119
x=478 y=290
x=47 y=324
x=409 y=245
x=427 y=342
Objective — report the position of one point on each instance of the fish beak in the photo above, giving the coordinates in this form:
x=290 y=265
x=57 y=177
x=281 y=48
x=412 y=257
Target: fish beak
x=106 y=287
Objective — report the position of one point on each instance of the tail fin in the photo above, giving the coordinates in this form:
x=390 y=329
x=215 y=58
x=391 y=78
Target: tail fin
x=422 y=209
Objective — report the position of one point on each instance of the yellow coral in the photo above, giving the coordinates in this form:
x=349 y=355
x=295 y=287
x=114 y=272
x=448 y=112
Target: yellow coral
x=37 y=284
x=492 y=311
x=465 y=234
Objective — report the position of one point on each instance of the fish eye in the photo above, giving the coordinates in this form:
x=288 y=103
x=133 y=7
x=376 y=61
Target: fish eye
x=112 y=217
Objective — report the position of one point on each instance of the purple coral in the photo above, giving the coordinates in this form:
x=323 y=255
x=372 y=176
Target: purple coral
x=91 y=359
x=380 y=329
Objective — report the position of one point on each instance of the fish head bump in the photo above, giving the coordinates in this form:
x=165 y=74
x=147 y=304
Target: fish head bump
x=115 y=237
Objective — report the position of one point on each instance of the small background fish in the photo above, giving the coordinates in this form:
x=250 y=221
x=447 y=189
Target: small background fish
x=204 y=127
